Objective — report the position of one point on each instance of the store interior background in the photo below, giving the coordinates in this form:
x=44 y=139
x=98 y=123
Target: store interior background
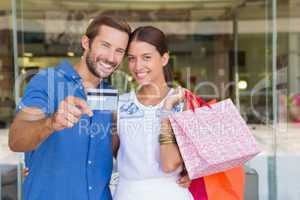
x=248 y=50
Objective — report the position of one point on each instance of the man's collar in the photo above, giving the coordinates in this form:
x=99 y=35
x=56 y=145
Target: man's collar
x=67 y=69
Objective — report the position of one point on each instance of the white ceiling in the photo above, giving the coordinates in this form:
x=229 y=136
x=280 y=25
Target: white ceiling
x=118 y=4
x=37 y=7
x=248 y=9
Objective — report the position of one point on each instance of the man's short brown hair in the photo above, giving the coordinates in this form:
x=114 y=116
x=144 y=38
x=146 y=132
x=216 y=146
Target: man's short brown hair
x=114 y=22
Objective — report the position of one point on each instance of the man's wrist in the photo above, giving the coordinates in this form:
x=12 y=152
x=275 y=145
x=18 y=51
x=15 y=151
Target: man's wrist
x=49 y=124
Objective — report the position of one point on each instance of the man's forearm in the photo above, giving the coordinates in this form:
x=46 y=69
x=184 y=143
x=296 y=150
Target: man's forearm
x=27 y=135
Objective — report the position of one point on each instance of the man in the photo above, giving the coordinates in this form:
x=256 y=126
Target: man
x=66 y=158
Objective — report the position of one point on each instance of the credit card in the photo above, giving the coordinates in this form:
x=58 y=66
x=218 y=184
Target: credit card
x=102 y=99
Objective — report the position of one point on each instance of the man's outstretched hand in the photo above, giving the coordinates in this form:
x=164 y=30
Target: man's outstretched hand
x=68 y=114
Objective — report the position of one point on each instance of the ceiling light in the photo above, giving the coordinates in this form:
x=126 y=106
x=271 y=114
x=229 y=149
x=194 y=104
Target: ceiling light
x=27 y=54
x=71 y=54
x=242 y=85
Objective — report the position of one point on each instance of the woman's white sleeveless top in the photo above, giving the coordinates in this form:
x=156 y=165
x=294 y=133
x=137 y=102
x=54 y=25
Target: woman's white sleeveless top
x=138 y=160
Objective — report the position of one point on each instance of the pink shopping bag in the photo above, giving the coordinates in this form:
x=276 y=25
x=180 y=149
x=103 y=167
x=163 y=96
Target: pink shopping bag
x=213 y=139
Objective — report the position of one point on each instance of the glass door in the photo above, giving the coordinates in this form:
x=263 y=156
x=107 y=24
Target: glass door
x=255 y=53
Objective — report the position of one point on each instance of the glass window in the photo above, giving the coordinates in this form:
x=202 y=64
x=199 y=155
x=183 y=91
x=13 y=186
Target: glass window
x=7 y=102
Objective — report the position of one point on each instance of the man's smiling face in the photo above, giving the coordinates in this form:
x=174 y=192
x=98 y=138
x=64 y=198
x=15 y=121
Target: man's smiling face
x=106 y=51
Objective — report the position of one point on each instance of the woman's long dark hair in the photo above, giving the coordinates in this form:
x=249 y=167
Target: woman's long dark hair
x=157 y=38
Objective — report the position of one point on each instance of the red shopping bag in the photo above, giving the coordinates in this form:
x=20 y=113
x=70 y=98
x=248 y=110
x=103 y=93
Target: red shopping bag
x=198 y=189
x=228 y=185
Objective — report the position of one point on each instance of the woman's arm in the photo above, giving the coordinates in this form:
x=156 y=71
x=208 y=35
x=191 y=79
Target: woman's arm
x=115 y=137
x=169 y=152
x=115 y=144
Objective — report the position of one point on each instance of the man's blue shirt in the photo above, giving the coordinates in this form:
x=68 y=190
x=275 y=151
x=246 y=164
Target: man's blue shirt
x=74 y=163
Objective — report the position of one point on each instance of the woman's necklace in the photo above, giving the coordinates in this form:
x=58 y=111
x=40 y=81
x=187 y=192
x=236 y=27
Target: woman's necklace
x=152 y=100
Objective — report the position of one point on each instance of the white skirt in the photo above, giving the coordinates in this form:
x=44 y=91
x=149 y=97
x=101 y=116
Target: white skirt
x=151 y=189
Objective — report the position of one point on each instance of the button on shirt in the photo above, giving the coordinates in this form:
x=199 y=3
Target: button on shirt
x=74 y=163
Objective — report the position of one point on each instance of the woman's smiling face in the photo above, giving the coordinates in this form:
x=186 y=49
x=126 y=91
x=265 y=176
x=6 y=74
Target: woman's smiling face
x=145 y=63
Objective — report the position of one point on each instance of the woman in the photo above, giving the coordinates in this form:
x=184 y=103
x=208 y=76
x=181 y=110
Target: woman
x=148 y=158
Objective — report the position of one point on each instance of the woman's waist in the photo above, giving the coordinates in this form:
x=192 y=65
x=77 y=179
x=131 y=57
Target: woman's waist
x=146 y=169
x=145 y=174
x=152 y=188
x=149 y=181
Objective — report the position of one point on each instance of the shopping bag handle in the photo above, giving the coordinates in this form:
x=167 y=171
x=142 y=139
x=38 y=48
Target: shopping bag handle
x=190 y=97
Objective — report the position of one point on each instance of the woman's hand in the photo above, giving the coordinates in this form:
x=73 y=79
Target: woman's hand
x=25 y=172
x=115 y=137
x=174 y=99
x=177 y=97
x=184 y=180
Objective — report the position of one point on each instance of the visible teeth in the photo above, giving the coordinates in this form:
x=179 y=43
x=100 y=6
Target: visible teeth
x=108 y=66
x=141 y=75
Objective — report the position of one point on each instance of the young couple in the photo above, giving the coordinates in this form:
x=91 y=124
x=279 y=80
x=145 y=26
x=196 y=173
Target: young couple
x=70 y=163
